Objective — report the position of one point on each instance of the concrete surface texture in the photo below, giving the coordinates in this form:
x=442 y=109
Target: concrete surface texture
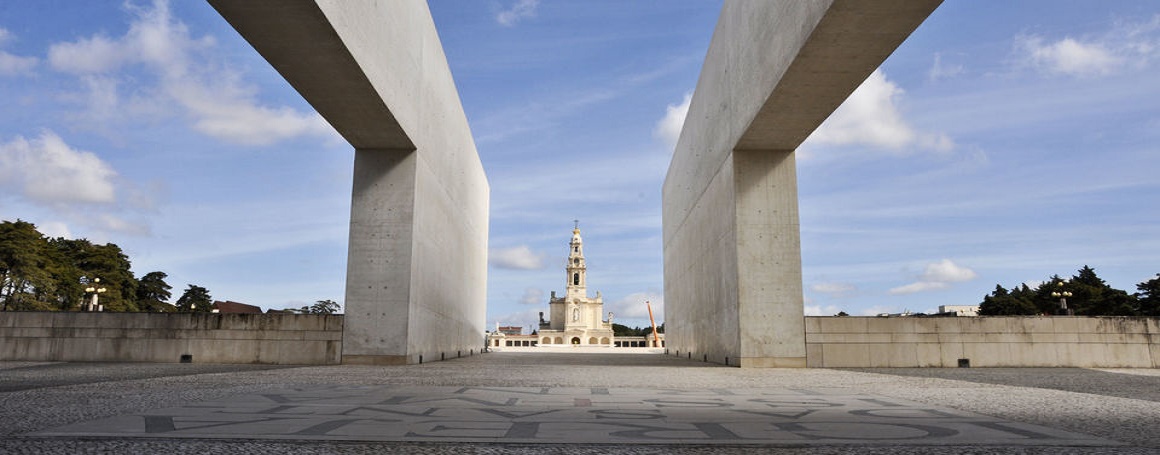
x=773 y=73
x=1087 y=342
x=567 y=403
x=417 y=261
x=301 y=339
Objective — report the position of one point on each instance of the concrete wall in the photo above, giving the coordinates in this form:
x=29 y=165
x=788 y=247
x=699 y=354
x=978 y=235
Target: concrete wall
x=417 y=259
x=774 y=71
x=868 y=342
x=165 y=337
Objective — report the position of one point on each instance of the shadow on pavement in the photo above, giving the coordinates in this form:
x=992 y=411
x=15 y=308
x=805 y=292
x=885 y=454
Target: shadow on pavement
x=1096 y=382
x=73 y=373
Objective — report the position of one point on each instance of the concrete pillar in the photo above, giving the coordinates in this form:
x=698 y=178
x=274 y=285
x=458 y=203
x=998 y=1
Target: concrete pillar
x=378 y=278
x=769 y=278
x=774 y=71
x=375 y=69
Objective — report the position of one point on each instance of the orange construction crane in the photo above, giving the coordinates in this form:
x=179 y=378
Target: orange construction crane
x=656 y=339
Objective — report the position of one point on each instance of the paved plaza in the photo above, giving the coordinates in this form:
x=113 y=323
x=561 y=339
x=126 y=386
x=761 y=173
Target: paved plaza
x=557 y=402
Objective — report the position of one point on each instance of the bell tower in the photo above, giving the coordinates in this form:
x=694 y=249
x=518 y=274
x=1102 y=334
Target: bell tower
x=577 y=285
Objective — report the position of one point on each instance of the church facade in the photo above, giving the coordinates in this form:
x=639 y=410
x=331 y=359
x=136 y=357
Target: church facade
x=575 y=319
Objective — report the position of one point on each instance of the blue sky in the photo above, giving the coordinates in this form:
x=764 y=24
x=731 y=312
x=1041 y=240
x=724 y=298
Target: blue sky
x=1002 y=143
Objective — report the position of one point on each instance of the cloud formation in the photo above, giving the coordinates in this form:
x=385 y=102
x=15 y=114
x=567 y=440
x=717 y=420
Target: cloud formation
x=870 y=117
x=818 y=310
x=213 y=96
x=1068 y=56
x=532 y=296
x=11 y=65
x=833 y=289
x=1125 y=45
x=47 y=171
x=668 y=128
x=940 y=70
x=522 y=9
x=633 y=306
x=937 y=275
x=516 y=258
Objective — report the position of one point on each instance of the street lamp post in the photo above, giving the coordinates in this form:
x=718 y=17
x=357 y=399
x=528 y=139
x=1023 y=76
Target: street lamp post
x=1062 y=295
x=95 y=289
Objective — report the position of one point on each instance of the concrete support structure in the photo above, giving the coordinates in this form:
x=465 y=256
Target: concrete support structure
x=417 y=264
x=774 y=71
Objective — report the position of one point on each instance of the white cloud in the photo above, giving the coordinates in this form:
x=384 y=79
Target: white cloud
x=54 y=229
x=532 y=296
x=633 y=306
x=517 y=258
x=114 y=223
x=527 y=318
x=919 y=286
x=522 y=9
x=1125 y=45
x=943 y=71
x=1069 y=56
x=870 y=116
x=833 y=289
x=217 y=102
x=11 y=65
x=668 y=128
x=48 y=171
x=818 y=310
x=948 y=272
x=937 y=276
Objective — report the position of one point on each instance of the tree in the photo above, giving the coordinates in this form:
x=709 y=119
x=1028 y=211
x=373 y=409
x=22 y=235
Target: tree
x=1148 y=299
x=20 y=259
x=195 y=299
x=622 y=330
x=1086 y=294
x=153 y=293
x=1091 y=296
x=1002 y=302
x=322 y=307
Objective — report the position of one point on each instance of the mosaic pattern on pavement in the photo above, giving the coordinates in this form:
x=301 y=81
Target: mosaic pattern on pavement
x=786 y=416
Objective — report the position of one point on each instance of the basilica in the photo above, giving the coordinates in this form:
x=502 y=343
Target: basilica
x=575 y=319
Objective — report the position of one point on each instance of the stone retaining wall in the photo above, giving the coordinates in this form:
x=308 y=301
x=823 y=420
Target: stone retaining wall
x=1087 y=342
x=166 y=337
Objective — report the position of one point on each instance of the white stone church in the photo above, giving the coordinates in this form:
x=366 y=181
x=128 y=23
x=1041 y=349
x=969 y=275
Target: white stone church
x=575 y=318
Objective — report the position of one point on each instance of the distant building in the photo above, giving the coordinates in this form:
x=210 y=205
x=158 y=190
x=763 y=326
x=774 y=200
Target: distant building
x=960 y=310
x=234 y=307
x=511 y=330
x=576 y=319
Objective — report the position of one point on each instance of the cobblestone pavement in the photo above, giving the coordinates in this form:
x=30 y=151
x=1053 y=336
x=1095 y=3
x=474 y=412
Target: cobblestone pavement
x=571 y=403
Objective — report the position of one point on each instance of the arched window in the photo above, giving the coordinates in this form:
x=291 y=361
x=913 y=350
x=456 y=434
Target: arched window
x=575 y=340
x=575 y=279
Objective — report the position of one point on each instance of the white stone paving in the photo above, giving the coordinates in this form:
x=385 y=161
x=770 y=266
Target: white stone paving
x=575 y=415
x=515 y=401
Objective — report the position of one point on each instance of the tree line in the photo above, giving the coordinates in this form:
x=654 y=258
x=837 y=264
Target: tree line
x=621 y=330
x=50 y=274
x=1085 y=293
x=39 y=273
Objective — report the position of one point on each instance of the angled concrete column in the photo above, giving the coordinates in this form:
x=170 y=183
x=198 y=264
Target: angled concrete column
x=774 y=71
x=417 y=264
